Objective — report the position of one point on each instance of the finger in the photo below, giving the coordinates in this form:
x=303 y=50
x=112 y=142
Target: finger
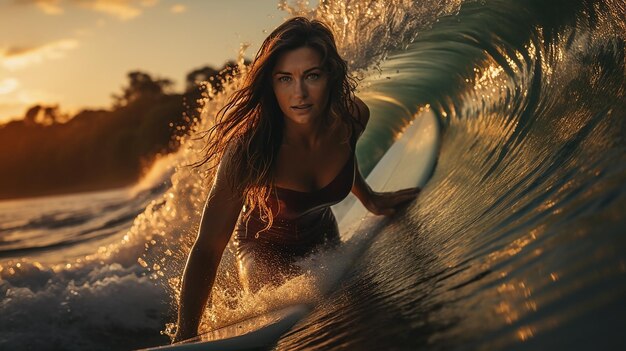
x=407 y=196
x=404 y=199
x=404 y=191
x=408 y=191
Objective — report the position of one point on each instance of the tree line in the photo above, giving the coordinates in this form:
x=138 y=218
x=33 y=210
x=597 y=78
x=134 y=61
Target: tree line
x=48 y=152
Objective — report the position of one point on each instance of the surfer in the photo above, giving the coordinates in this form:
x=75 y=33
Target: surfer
x=284 y=148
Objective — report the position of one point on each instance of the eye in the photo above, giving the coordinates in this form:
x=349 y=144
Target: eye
x=313 y=76
x=284 y=79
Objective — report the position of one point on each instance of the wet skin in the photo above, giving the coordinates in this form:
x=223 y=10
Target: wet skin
x=311 y=155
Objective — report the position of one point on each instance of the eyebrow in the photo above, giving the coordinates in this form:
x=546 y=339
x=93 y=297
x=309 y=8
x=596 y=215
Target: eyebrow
x=308 y=70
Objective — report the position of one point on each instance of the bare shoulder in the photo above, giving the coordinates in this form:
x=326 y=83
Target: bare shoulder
x=360 y=112
x=221 y=209
x=225 y=176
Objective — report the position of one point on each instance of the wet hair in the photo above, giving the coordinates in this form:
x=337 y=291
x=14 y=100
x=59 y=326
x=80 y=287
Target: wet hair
x=248 y=130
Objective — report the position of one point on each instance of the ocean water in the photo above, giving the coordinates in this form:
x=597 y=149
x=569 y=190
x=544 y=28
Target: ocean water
x=516 y=242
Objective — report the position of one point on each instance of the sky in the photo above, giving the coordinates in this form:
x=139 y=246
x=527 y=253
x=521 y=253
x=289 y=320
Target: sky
x=76 y=53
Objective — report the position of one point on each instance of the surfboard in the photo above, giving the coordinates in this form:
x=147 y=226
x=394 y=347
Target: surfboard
x=255 y=333
x=409 y=162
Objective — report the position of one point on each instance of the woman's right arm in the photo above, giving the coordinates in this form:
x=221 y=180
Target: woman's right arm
x=216 y=226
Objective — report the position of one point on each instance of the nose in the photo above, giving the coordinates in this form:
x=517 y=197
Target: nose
x=301 y=90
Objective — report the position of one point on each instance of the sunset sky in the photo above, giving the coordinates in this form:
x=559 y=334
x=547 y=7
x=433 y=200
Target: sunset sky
x=76 y=53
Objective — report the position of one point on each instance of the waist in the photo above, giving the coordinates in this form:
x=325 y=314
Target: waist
x=285 y=231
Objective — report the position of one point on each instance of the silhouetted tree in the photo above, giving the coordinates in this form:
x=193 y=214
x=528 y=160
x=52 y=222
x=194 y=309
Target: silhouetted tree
x=30 y=117
x=141 y=85
x=49 y=153
x=216 y=78
x=44 y=115
x=198 y=76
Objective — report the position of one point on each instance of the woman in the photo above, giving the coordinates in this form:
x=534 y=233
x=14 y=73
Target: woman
x=285 y=148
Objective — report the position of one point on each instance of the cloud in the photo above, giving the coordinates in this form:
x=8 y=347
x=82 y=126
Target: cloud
x=178 y=8
x=121 y=9
x=14 y=58
x=50 y=7
x=8 y=85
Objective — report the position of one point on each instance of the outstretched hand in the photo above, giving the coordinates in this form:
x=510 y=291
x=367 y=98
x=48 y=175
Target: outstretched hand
x=387 y=203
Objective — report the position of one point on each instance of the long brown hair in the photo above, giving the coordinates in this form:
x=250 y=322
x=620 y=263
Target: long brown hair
x=249 y=128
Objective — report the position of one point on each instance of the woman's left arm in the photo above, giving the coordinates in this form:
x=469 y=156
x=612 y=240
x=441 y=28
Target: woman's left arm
x=379 y=203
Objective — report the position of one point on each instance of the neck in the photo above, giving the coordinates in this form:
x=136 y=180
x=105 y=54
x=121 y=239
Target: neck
x=308 y=135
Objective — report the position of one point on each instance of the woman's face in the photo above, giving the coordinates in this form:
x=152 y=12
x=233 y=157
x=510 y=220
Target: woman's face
x=300 y=85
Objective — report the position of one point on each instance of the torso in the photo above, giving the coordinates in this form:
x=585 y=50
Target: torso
x=306 y=185
x=308 y=170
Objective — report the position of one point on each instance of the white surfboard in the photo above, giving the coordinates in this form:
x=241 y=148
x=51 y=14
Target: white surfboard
x=409 y=162
x=254 y=333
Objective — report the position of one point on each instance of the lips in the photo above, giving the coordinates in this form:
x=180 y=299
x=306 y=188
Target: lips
x=302 y=107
